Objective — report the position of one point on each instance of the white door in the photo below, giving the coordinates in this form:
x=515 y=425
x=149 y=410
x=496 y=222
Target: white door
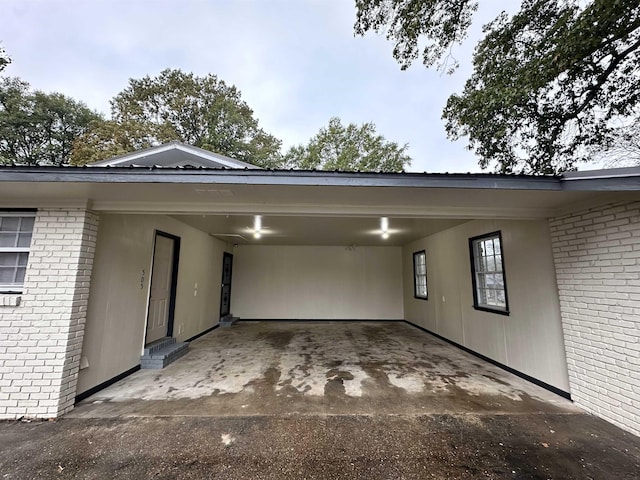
x=160 y=298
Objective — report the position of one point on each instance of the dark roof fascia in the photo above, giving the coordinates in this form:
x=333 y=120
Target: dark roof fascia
x=601 y=180
x=603 y=173
x=614 y=179
x=276 y=177
x=625 y=184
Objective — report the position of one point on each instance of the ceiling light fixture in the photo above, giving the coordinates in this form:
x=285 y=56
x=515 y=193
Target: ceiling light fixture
x=257 y=227
x=384 y=226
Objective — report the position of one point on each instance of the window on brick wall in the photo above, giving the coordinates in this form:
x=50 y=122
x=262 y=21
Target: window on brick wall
x=487 y=272
x=420 y=275
x=16 y=229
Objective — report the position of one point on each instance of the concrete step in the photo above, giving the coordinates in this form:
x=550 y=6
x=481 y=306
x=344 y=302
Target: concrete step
x=159 y=345
x=228 y=320
x=169 y=352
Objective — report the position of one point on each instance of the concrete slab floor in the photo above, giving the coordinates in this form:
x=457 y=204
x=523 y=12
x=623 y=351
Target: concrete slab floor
x=361 y=391
x=271 y=368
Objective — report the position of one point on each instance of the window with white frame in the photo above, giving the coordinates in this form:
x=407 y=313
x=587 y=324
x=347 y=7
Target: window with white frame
x=487 y=269
x=420 y=275
x=16 y=229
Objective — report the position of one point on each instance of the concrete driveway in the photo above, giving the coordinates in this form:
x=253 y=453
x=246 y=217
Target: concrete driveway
x=270 y=368
x=321 y=401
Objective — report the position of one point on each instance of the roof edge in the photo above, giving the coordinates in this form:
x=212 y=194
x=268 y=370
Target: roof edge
x=620 y=172
x=614 y=180
x=189 y=175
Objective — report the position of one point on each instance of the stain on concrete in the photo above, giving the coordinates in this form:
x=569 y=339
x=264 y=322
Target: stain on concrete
x=336 y=379
x=277 y=339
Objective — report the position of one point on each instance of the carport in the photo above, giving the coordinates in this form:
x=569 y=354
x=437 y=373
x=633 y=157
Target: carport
x=328 y=246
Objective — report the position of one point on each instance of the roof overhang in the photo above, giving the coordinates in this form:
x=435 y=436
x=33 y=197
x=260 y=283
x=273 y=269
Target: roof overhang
x=196 y=194
x=623 y=179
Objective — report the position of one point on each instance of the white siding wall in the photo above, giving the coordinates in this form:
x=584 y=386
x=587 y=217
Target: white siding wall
x=317 y=282
x=116 y=322
x=41 y=338
x=597 y=257
x=530 y=338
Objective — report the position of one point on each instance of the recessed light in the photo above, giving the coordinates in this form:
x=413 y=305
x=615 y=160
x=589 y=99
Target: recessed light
x=384 y=226
x=257 y=227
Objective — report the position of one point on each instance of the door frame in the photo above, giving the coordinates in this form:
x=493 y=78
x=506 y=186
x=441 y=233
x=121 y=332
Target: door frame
x=226 y=255
x=174 y=280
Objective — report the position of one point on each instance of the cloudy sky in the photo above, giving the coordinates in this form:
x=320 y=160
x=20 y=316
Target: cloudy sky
x=296 y=62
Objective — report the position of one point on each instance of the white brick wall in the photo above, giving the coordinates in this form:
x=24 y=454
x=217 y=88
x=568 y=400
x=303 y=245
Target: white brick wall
x=41 y=333
x=597 y=258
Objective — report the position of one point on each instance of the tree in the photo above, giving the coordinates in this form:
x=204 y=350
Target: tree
x=4 y=59
x=201 y=111
x=550 y=84
x=438 y=24
x=625 y=152
x=38 y=128
x=350 y=148
x=107 y=138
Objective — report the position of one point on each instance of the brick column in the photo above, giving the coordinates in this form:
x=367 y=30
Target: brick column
x=597 y=259
x=41 y=330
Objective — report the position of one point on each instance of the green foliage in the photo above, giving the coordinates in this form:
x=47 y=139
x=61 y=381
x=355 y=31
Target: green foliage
x=438 y=24
x=201 y=111
x=550 y=86
x=38 y=128
x=4 y=59
x=350 y=148
x=106 y=139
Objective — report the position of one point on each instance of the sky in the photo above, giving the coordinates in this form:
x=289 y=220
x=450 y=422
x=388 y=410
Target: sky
x=296 y=62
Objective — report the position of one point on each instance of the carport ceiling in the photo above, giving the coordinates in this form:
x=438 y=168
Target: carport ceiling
x=317 y=230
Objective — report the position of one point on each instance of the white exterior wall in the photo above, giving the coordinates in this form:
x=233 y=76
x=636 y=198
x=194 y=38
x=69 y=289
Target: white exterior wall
x=530 y=338
x=41 y=337
x=597 y=257
x=116 y=320
x=317 y=282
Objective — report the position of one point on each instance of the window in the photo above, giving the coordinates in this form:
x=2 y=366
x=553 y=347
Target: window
x=15 y=239
x=487 y=271
x=420 y=275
